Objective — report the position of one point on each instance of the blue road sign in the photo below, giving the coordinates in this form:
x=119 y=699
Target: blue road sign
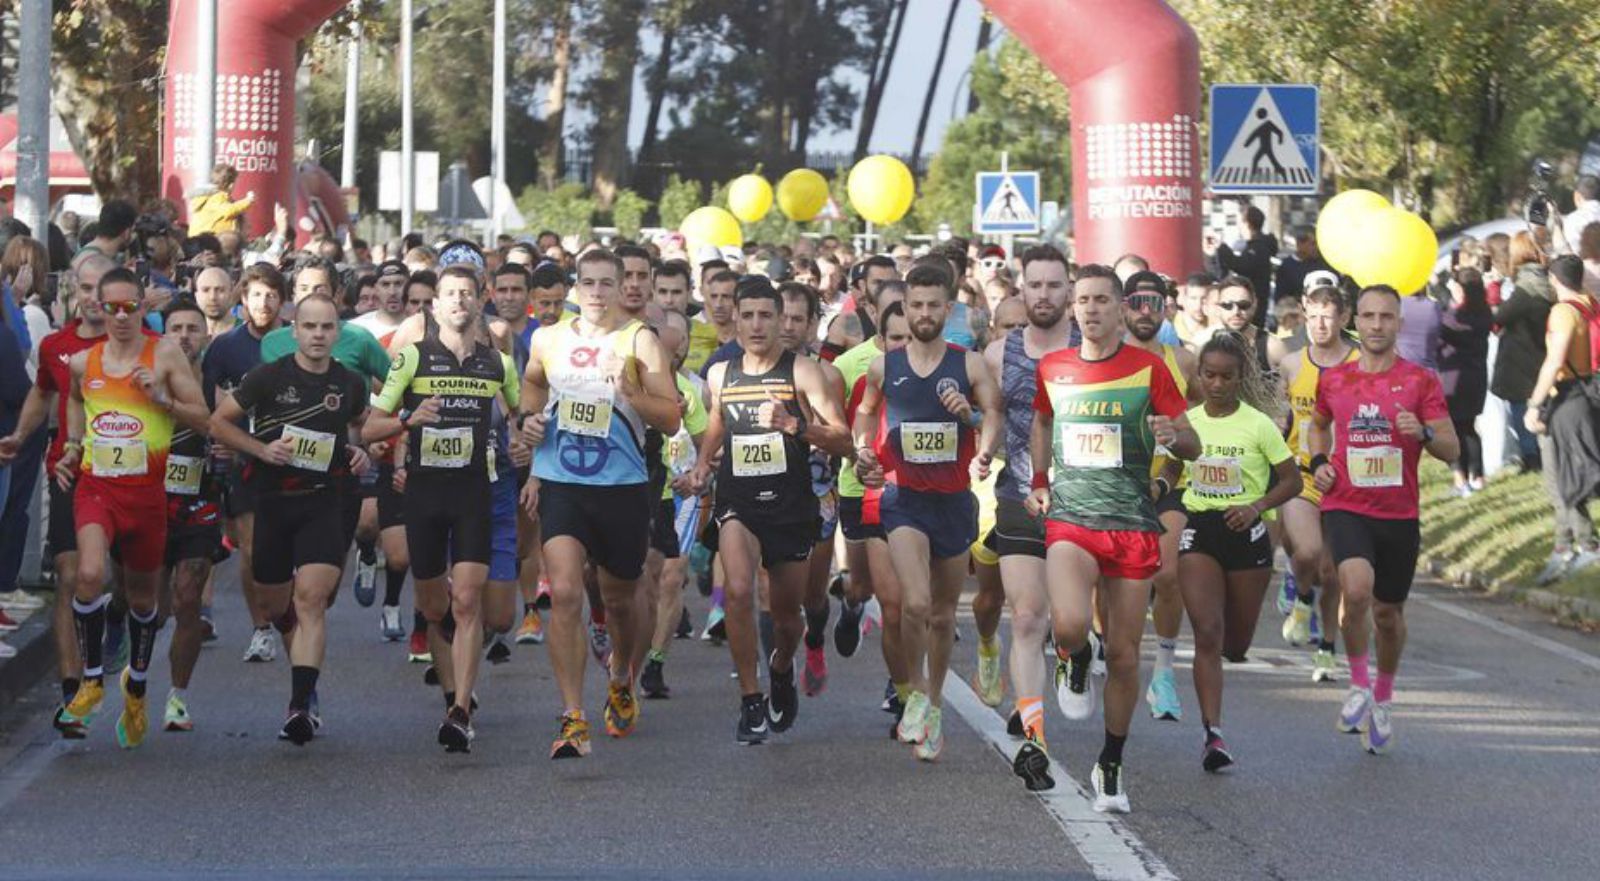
x=1008 y=202
x=1264 y=139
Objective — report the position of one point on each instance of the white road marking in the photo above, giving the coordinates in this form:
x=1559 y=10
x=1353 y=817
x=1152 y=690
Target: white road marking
x=1111 y=849
x=1517 y=633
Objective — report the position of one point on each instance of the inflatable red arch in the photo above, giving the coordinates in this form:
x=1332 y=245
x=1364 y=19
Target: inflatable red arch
x=1131 y=66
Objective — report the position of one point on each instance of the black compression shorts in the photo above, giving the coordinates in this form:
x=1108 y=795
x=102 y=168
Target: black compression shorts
x=1390 y=546
x=296 y=530
x=1208 y=533
x=448 y=519
x=611 y=522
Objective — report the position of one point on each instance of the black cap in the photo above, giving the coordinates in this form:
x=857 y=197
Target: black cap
x=1145 y=280
x=391 y=267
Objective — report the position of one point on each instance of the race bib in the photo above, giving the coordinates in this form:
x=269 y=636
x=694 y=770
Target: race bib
x=927 y=443
x=590 y=417
x=1372 y=467
x=183 y=475
x=446 y=447
x=759 y=455
x=679 y=454
x=1217 y=475
x=312 y=451
x=117 y=457
x=1091 y=445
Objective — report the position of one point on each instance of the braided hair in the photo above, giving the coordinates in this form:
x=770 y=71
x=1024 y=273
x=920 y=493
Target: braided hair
x=1254 y=388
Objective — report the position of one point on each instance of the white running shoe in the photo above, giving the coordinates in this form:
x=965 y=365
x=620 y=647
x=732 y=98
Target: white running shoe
x=1074 y=689
x=1110 y=792
x=1379 y=736
x=263 y=647
x=1353 y=715
x=19 y=600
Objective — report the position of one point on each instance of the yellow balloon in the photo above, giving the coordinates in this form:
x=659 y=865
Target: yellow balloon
x=750 y=197
x=801 y=194
x=1394 y=247
x=881 y=189
x=1340 y=225
x=711 y=226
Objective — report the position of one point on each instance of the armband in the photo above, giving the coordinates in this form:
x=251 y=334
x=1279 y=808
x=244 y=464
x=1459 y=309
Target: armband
x=1318 y=461
x=1040 y=481
x=975 y=419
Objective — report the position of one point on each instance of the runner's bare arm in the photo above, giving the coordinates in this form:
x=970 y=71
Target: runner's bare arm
x=1039 y=451
x=656 y=395
x=1189 y=364
x=1185 y=442
x=186 y=402
x=72 y=450
x=864 y=431
x=710 y=443
x=987 y=392
x=224 y=428
x=827 y=431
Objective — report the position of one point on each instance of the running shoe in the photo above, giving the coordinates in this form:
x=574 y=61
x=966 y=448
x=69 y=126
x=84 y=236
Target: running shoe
x=816 y=672
x=573 y=741
x=541 y=594
x=1288 y=589
x=455 y=732
x=1032 y=764
x=872 y=615
x=1215 y=756
x=622 y=712
x=716 y=628
x=498 y=652
x=685 y=627
x=176 y=718
x=417 y=650
x=314 y=708
x=531 y=630
x=836 y=586
x=914 y=721
x=891 y=699
x=389 y=624
x=365 y=585
x=79 y=713
x=116 y=648
x=653 y=681
x=1074 y=690
x=19 y=600
x=1162 y=696
x=69 y=730
x=700 y=567
x=1316 y=624
x=1323 y=667
x=134 y=722
x=298 y=729
x=7 y=623
x=1353 y=715
x=600 y=644
x=1110 y=795
x=1378 y=737
x=847 y=630
x=262 y=648
x=1097 y=662
x=430 y=675
x=933 y=736
x=752 y=728
x=1297 y=624
x=784 y=704
x=987 y=682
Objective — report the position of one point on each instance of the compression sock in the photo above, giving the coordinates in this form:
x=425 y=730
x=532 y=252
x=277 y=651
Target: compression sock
x=1165 y=650
x=1383 y=689
x=89 y=619
x=1359 y=676
x=303 y=681
x=142 y=631
x=1031 y=709
x=1111 y=752
x=817 y=626
x=393 y=581
x=368 y=550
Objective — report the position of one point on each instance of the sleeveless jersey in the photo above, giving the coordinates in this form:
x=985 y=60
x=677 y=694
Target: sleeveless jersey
x=126 y=436
x=1303 y=404
x=193 y=492
x=464 y=440
x=764 y=474
x=1019 y=382
x=593 y=435
x=921 y=445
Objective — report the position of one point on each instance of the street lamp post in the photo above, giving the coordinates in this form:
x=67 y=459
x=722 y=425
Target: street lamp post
x=408 y=190
x=352 y=98
x=203 y=145
x=33 y=118
x=497 y=125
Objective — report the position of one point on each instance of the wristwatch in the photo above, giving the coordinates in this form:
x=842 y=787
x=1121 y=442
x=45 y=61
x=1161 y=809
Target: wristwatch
x=1427 y=434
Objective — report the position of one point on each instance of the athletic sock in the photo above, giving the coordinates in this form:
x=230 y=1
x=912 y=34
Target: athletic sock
x=529 y=608
x=1081 y=656
x=1383 y=690
x=179 y=693
x=303 y=681
x=1031 y=709
x=989 y=646
x=393 y=581
x=1166 y=649
x=902 y=692
x=817 y=626
x=1359 y=677
x=716 y=597
x=89 y=619
x=1213 y=732
x=657 y=655
x=419 y=622
x=1111 y=752
x=764 y=627
x=1325 y=645
x=142 y=631
x=368 y=550
x=69 y=689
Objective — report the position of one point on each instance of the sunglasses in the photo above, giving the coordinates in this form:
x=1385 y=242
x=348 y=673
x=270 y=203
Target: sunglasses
x=992 y=263
x=1153 y=302
x=1236 y=305
x=122 y=307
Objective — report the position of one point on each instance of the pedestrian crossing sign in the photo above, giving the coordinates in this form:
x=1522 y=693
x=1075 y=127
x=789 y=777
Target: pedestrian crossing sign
x=1008 y=202
x=1264 y=139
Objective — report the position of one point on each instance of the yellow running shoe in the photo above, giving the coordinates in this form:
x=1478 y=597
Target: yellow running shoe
x=622 y=711
x=531 y=632
x=933 y=735
x=573 y=742
x=134 y=721
x=987 y=683
x=84 y=707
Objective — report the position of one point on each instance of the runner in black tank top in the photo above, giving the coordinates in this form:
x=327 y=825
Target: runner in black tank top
x=765 y=475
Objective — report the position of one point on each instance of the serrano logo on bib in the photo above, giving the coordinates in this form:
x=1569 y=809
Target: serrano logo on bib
x=114 y=424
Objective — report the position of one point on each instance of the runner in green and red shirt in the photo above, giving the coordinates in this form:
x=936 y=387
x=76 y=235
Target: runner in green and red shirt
x=1101 y=411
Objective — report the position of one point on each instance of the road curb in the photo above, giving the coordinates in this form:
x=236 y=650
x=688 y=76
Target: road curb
x=36 y=654
x=1568 y=609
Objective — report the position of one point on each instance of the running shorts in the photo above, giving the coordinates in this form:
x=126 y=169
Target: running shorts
x=828 y=517
x=192 y=543
x=1207 y=533
x=982 y=549
x=780 y=542
x=238 y=494
x=1120 y=553
x=62 y=530
x=134 y=519
x=850 y=521
x=664 y=530
x=611 y=522
x=391 y=504
x=1390 y=546
x=296 y=530
x=1016 y=533
x=503 y=528
x=447 y=519
x=949 y=520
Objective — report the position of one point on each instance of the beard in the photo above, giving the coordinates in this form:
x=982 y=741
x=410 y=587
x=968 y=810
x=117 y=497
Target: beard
x=1045 y=316
x=1144 y=331
x=927 y=332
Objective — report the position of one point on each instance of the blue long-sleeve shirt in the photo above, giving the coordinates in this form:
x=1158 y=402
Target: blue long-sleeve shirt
x=13 y=380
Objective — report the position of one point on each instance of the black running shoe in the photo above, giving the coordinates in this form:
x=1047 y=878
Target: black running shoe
x=785 y=701
x=847 y=630
x=1014 y=724
x=498 y=653
x=753 y=728
x=1033 y=766
x=685 y=626
x=298 y=729
x=653 y=681
x=430 y=676
x=455 y=732
x=836 y=586
x=1216 y=755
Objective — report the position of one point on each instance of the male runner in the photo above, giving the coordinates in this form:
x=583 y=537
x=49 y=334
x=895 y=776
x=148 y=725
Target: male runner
x=548 y=305
x=592 y=385
x=441 y=390
x=304 y=412
x=383 y=321
x=717 y=291
x=1313 y=568
x=925 y=453
x=1101 y=411
x=1018 y=535
x=216 y=296
x=768 y=407
x=1374 y=418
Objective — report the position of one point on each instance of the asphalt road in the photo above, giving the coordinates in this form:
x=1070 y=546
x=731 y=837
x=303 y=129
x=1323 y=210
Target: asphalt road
x=1495 y=776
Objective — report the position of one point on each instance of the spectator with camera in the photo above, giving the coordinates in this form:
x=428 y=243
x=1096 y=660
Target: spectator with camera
x=1585 y=208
